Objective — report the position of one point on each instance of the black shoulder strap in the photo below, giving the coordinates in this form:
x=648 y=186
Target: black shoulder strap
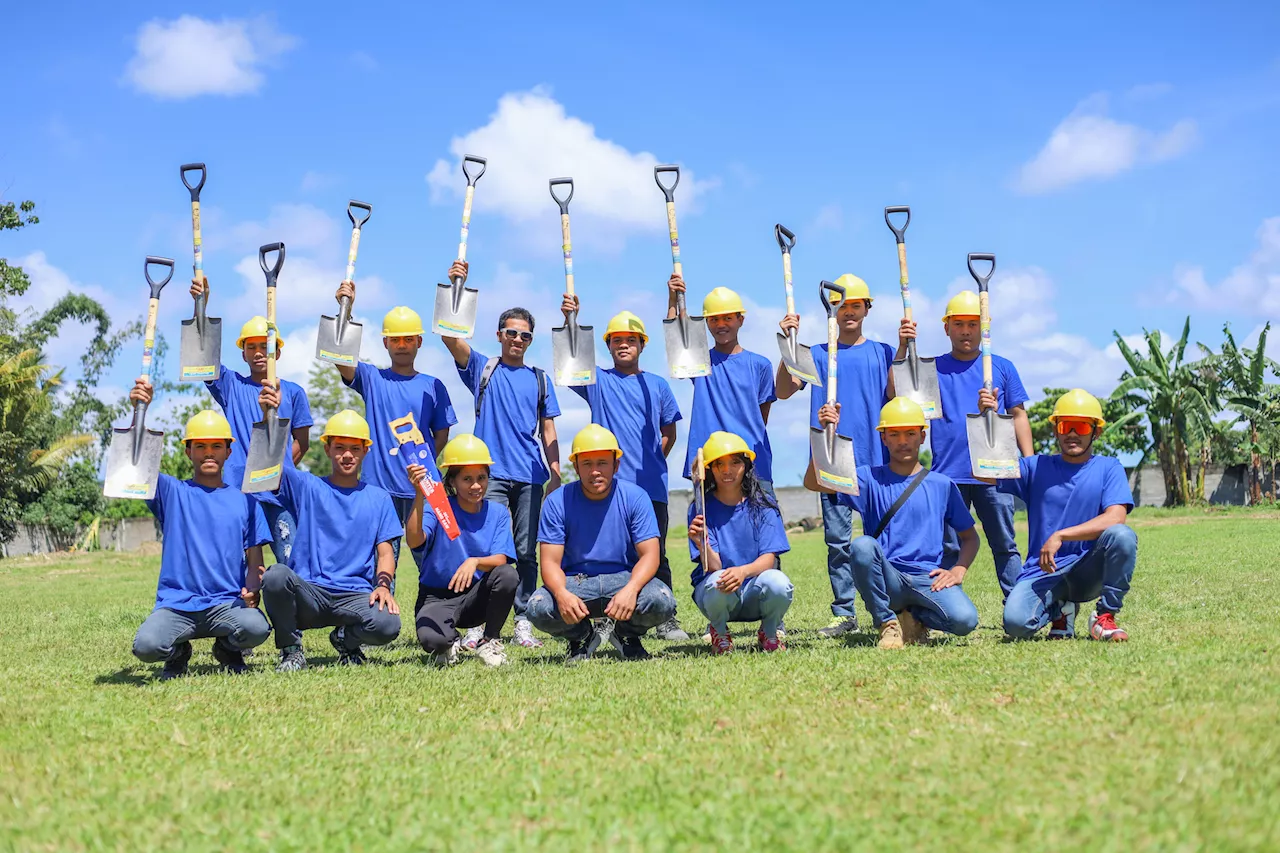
x=487 y=374
x=902 y=498
x=542 y=399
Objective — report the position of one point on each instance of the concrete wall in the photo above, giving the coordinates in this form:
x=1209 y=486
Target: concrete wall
x=795 y=502
x=127 y=534
x=1222 y=485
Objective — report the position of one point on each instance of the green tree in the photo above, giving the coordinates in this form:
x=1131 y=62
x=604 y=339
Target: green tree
x=327 y=395
x=1242 y=386
x=1120 y=435
x=68 y=504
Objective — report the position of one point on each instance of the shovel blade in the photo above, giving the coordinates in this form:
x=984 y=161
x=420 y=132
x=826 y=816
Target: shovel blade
x=993 y=452
x=200 y=356
x=341 y=349
x=267 y=445
x=798 y=359
x=688 y=353
x=455 y=315
x=573 y=356
x=833 y=461
x=130 y=478
x=920 y=385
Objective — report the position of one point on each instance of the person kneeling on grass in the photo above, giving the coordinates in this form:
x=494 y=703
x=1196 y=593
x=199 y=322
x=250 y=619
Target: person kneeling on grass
x=737 y=579
x=1080 y=547
x=469 y=581
x=599 y=553
x=342 y=564
x=898 y=567
x=211 y=533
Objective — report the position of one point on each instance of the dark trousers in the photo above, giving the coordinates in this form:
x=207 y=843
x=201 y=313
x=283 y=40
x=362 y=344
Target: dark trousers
x=488 y=602
x=664 y=567
x=524 y=500
x=295 y=605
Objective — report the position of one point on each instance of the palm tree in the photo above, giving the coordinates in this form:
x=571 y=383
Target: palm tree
x=1243 y=379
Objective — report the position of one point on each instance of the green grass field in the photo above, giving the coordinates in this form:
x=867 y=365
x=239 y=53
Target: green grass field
x=1171 y=742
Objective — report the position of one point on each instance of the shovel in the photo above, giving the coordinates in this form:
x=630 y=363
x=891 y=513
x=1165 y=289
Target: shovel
x=133 y=459
x=455 y=315
x=271 y=438
x=200 y=348
x=687 y=350
x=700 y=504
x=796 y=357
x=573 y=354
x=338 y=339
x=833 y=460
x=412 y=449
x=914 y=377
x=993 y=445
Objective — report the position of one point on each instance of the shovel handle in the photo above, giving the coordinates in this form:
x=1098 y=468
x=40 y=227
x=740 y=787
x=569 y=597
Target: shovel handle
x=197 y=269
x=833 y=333
x=471 y=179
x=786 y=239
x=700 y=505
x=192 y=167
x=984 y=307
x=272 y=271
x=786 y=242
x=356 y=226
x=466 y=207
x=899 y=234
x=157 y=286
x=669 y=192
x=153 y=310
x=352 y=207
x=563 y=202
x=831 y=307
x=978 y=277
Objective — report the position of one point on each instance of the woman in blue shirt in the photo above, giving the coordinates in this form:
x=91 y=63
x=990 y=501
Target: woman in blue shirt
x=469 y=581
x=737 y=578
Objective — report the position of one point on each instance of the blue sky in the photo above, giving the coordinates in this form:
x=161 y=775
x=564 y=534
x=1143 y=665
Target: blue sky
x=1120 y=163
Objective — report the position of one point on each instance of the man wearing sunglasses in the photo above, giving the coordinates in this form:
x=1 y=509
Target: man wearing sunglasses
x=515 y=414
x=1079 y=545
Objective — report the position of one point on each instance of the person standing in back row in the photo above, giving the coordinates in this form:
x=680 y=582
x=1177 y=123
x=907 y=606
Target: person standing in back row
x=515 y=412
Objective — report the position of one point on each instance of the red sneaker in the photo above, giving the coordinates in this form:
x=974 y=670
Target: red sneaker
x=770 y=644
x=1102 y=626
x=721 y=644
x=1064 y=627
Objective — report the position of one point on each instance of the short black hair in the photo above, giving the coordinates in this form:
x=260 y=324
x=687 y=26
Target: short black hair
x=519 y=314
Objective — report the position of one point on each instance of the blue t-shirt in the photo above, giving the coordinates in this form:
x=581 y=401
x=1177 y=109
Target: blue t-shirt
x=599 y=537
x=509 y=424
x=335 y=544
x=959 y=383
x=862 y=374
x=635 y=409
x=739 y=535
x=481 y=534
x=1059 y=494
x=206 y=532
x=238 y=397
x=730 y=400
x=388 y=396
x=912 y=540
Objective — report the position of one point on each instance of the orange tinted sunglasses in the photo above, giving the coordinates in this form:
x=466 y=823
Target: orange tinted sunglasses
x=1078 y=427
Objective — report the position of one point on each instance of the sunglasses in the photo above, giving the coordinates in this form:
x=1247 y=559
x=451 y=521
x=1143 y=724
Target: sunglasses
x=1078 y=427
x=512 y=334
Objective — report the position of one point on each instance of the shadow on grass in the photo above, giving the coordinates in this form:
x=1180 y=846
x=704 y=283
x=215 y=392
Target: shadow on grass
x=129 y=675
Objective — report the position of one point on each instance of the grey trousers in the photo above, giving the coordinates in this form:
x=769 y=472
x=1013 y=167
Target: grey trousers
x=295 y=605
x=240 y=627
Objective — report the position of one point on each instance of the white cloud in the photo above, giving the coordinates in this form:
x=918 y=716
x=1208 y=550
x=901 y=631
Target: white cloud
x=48 y=285
x=312 y=181
x=190 y=56
x=530 y=139
x=362 y=60
x=298 y=226
x=830 y=217
x=1089 y=145
x=1252 y=287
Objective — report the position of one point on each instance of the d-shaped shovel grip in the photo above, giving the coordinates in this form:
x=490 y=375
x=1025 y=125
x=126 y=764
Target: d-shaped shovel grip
x=191 y=167
x=471 y=179
x=832 y=308
x=899 y=234
x=786 y=240
x=978 y=277
x=353 y=206
x=668 y=191
x=272 y=271
x=563 y=202
x=157 y=286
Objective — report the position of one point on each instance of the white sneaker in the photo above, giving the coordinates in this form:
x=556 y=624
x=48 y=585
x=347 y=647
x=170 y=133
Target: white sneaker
x=449 y=656
x=492 y=653
x=473 y=639
x=524 y=635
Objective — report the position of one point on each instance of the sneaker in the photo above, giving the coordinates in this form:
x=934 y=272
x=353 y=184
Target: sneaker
x=670 y=630
x=492 y=652
x=776 y=643
x=580 y=650
x=232 y=660
x=706 y=635
x=449 y=656
x=524 y=635
x=1064 y=627
x=891 y=635
x=473 y=639
x=721 y=644
x=629 y=647
x=176 y=665
x=291 y=659
x=1102 y=626
x=839 y=626
x=346 y=656
x=914 y=633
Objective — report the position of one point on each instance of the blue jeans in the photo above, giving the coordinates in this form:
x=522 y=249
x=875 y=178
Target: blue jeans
x=995 y=510
x=282 y=526
x=837 y=530
x=764 y=597
x=1103 y=573
x=238 y=626
x=887 y=591
x=654 y=605
x=524 y=500
x=295 y=605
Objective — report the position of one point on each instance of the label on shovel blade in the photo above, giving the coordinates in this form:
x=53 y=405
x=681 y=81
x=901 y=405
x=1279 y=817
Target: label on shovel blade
x=802 y=376
x=201 y=372
x=569 y=377
x=835 y=481
x=690 y=371
x=996 y=469
x=137 y=490
x=446 y=326
x=930 y=409
x=264 y=474
x=337 y=357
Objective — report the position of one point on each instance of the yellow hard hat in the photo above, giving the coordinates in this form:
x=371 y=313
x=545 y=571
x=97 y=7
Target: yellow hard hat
x=963 y=304
x=257 y=328
x=347 y=424
x=208 y=424
x=628 y=323
x=722 y=300
x=465 y=450
x=1078 y=403
x=901 y=412
x=854 y=288
x=722 y=444
x=594 y=437
x=401 y=322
